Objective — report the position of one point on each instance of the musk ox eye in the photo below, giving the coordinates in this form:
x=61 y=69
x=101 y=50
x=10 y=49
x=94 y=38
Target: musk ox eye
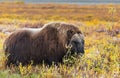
x=70 y=33
x=79 y=32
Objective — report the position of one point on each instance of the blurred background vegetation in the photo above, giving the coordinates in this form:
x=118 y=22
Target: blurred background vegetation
x=99 y=23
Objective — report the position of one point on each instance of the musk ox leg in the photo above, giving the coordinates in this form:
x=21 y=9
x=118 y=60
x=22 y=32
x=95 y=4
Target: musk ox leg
x=10 y=61
x=51 y=61
x=17 y=47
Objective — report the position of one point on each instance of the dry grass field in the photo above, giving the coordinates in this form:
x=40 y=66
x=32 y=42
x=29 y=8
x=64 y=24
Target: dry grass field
x=100 y=25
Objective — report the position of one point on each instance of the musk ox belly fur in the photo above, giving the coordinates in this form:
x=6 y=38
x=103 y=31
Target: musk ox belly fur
x=46 y=44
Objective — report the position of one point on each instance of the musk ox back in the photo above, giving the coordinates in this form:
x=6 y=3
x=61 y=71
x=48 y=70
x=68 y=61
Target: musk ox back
x=46 y=44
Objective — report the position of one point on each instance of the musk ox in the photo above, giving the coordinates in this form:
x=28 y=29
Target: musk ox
x=46 y=44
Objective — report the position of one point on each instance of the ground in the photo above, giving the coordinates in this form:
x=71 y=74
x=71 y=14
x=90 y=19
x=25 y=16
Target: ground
x=99 y=23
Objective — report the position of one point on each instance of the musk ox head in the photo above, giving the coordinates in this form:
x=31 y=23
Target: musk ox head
x=71 y=36
x=77 y=43
x=49 y=44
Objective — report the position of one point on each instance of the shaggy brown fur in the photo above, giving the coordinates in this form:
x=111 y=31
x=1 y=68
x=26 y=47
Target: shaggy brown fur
x=46 y=43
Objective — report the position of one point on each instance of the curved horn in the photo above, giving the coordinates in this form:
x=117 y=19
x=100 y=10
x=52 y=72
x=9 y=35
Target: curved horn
x=68 y=46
